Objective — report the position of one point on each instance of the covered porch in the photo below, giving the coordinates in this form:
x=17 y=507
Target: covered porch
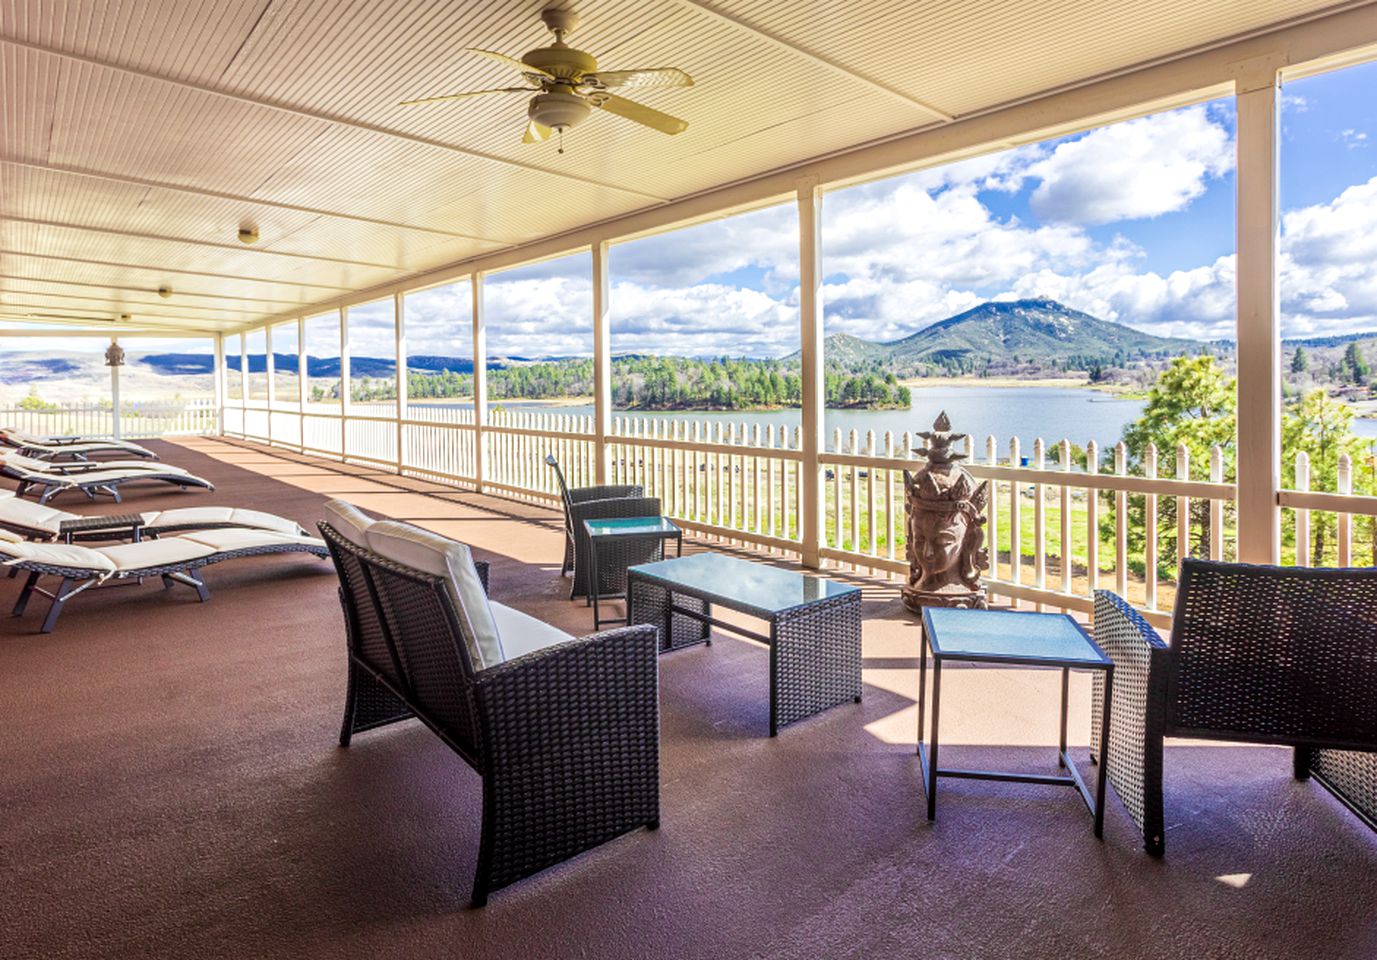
x=173 y=789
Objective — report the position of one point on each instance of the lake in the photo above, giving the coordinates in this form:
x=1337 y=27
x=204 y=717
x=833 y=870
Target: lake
x=1078 y=414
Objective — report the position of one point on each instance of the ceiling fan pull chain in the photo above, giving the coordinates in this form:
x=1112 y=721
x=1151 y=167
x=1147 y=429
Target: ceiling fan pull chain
x=561 y=139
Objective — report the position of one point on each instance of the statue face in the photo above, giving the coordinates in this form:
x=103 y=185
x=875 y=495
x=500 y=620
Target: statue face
x=940 y=538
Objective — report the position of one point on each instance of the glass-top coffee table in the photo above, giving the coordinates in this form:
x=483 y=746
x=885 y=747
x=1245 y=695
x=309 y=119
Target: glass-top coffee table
x=1018 y=638
x=815 y=623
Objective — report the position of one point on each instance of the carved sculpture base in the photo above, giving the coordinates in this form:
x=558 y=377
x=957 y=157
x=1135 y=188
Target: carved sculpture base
x=916 y=600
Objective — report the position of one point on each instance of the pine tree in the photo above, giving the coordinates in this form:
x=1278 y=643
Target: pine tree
x=1299 y=361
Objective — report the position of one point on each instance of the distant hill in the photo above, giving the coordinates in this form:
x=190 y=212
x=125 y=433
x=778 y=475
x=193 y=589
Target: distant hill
x=1035 y=331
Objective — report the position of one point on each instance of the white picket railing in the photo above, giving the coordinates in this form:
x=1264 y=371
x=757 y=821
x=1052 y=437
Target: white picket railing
x=743 y=483
x=143 y=419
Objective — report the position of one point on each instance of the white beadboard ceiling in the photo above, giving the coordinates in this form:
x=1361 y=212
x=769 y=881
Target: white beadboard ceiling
x=136 y=136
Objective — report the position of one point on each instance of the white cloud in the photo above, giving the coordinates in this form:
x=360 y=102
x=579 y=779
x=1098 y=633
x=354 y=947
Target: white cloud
x=1137 y=169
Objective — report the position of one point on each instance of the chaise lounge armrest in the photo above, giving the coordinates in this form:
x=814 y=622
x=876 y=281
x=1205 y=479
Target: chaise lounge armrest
x=571 y=739
x=1138 y=715
x=606 y=492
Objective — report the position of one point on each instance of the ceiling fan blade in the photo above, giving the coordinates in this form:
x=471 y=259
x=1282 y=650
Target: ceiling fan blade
x=512 y=62
x=657 y=77
x=461 y=96
x=640 y=113
x=536 y=132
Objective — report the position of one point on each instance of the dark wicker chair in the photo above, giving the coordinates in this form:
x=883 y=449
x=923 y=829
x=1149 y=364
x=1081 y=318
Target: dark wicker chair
x=580 y=495
x=566 y=738
x=1259 y=654
x=598 y=503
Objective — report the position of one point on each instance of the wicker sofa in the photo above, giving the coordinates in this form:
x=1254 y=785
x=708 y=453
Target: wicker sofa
x=563 y=731
x=1259 y=654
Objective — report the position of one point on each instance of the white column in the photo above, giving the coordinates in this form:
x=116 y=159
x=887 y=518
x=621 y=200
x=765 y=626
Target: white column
x=480 y=380
x=1259 y=376
x=812 y=523
x=343 y=382
x=303 y=389
x=115 y=393
x=399 y=325
x=244 y=376
x=270 y=371
x=602 y=359
x=219 y=384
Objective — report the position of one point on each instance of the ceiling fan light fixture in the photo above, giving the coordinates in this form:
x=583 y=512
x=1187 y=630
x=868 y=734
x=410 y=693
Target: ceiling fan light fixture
x=248 y=235
x=559 y=111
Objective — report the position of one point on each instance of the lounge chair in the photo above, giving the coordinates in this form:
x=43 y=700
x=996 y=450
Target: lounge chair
x=91 y=477
x=175 y=559
x=78 y=448
x=1258 y=654
x=35 y=521
x=564 y=732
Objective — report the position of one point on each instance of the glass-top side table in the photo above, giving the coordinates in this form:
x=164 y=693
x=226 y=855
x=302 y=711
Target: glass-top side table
x=616 y=543
x=1017 y=638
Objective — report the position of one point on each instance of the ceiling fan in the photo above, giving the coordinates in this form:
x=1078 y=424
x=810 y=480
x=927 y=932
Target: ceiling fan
x=567 y=85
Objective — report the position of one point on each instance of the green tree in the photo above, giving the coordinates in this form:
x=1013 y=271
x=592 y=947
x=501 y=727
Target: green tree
x=1299 y=361
x=1192 y=404
x=1354 y=366
x=1319 y=426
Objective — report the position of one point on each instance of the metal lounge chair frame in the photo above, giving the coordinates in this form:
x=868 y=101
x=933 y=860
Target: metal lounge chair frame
x=93 y=477
x=76 y=579
x=179 y=523
x=79 y=448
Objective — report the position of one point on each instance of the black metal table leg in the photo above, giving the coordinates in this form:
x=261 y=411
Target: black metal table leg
x=922 y=679
x=932 y=747
x=1065 y=703
x=1104 y=752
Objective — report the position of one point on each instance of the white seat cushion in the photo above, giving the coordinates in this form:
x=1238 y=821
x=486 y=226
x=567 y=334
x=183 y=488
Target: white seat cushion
x=440 y=556
x=522 y=634
x=212 y=516
x=30 y=515
x=154 y=553
x=13 y=547
x=242 y=538
x=349 y=521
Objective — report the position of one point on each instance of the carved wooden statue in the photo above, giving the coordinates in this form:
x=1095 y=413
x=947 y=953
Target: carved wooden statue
x=946 y=526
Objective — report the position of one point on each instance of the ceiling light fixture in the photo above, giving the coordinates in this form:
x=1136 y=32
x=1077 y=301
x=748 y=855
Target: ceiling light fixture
x=248 y=234
x=164 y=292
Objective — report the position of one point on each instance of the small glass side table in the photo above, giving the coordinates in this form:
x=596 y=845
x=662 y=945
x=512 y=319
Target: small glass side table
x=1019 y=638
x=609 y=534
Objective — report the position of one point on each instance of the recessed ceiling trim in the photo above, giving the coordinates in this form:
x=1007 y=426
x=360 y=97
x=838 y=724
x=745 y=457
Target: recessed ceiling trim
x=47 y=313
x=236 y=248
x=324 y=117
x=115 y=327
x=240 y=198
x=838 y=68
x=121 y=305
x=159 y=269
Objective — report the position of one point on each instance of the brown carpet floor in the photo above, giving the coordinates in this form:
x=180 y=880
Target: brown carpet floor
x=170 y=786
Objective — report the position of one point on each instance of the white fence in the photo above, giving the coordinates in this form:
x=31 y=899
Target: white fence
x=138 y=420
x=1085 y=519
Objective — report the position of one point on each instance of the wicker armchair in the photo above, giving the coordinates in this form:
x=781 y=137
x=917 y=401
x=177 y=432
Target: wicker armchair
x=565 y=737
x=584 y=495
x=1259 y=654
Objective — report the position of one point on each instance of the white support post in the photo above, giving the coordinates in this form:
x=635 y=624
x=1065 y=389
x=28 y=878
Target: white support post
x=812 y=523
x=115 y=392
x=403 y=397
x=343 y=383
x=244 y=378
x=219 y=384
x=1259 y=376
x=303 y=389
x=270 y=371
x=480 y=382
x=602 y=359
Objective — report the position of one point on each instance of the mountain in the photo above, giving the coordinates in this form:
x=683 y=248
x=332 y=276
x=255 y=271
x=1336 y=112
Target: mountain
x=1038 y=331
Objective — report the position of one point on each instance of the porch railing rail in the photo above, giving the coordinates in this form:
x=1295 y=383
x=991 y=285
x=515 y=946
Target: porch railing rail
x=1085 y=517
x=139 y=420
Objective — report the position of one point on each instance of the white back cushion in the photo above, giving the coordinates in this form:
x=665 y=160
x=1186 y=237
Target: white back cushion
x=523 y=634
x=442 y=557
x=349 y=521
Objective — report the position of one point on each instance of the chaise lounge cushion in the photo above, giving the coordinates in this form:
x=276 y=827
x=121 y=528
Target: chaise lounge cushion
x=349 y=522
x=522 y=634
x=213 y=516
x=14 y=547
x=240 y=538
x=169 y=551
x=440 y=556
